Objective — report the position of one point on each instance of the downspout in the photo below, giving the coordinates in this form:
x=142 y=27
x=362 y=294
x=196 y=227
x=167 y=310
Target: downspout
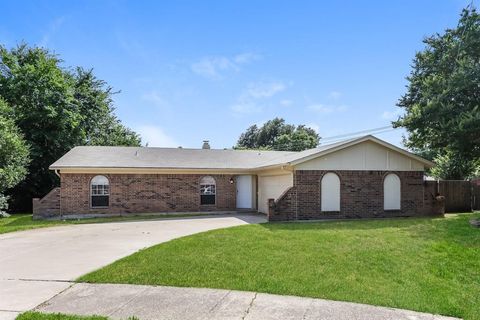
x=57 y=172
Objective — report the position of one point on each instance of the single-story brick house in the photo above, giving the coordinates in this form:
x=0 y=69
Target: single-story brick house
x=362 y=177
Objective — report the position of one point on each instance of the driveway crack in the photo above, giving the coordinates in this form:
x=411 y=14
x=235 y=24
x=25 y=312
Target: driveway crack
x=219 y=301
x=45 y=303
x=128 y=301
x=304 y=316
x=250 y=306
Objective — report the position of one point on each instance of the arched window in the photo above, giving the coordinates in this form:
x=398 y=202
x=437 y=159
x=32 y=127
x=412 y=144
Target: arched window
x=207 y=190
x=391 y=192
x=99 y=192
x=330 y=189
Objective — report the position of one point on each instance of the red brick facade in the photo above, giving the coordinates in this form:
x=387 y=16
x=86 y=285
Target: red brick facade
x=361 y=196
x=144 y=193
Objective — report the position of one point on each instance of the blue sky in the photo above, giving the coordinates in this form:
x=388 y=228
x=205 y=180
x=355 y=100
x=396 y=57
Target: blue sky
x=195 y=70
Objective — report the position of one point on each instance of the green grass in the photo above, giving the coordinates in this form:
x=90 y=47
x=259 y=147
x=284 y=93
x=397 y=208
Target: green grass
x=20 y=222
x=30 y=315
x=423 y=264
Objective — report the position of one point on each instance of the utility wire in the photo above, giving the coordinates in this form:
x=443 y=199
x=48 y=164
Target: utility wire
x=362 y=132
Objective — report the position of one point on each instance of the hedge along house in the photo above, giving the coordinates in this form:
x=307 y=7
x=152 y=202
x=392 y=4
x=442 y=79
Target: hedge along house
x=362 y=177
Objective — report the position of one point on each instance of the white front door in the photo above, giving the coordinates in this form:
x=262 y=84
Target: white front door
x=244 y=192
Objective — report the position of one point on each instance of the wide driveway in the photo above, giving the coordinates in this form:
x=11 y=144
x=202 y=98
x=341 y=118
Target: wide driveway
x=37 y=264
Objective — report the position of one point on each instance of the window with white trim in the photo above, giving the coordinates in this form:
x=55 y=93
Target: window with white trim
x=99 y=192
x=208 y=191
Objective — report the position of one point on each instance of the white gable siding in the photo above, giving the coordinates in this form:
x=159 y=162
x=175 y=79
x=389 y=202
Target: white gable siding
x=363 y=156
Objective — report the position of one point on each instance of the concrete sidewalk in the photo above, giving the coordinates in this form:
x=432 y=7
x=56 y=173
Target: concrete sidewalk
x=37 y=264
x=120 y=301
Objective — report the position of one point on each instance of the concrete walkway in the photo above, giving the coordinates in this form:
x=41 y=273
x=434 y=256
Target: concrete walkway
x=37 y=264
x=120 y=301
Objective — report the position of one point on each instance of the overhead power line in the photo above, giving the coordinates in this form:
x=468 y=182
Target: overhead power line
x=353 y=134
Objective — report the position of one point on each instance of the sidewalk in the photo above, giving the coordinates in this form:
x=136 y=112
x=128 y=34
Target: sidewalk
x=120 y=301
x=35 y=265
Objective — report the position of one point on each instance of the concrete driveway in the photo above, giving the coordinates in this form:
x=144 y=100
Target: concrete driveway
x=36 y=265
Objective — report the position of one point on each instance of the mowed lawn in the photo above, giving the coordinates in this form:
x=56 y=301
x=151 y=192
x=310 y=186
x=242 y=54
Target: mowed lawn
x=423 y=264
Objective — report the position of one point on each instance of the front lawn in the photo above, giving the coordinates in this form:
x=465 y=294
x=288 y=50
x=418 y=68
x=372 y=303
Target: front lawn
x=424 y=264
x=20 y=222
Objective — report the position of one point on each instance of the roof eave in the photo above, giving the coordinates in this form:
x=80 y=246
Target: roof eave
x=147 y=168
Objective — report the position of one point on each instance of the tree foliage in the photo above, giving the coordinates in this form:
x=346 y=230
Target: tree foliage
x=449 y=166
x=55 y=109
x=277 y=135
x=95 y=105
x=442 y=102
x=13 y=154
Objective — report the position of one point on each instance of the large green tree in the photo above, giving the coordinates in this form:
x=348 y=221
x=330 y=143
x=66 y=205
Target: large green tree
x=442 y=102
x=56 y=109
x=13 y=154
x=99 y=123
x=275 y=134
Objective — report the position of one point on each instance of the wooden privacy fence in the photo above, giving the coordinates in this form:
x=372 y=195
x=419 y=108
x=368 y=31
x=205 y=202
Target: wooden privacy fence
x=460 y=196
x=475 y=196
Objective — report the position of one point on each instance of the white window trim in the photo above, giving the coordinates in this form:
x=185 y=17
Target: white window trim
x=208 y=181
x=106 y=182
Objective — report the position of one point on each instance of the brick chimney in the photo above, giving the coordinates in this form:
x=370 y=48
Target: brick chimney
x=206 y=144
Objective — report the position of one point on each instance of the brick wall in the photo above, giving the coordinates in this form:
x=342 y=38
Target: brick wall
x=48 y=206
x=361 y=196
x=284 y=207
x=142 y=193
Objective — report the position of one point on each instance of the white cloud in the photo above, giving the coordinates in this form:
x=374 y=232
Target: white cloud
x=391 y=115
x=215 y=66
x=286 y=102
x=264 y=89
x=131 y=45
x=212 y=67
x=313 y=126
x=335 y=95
x=52 y=29
x=323 y=108
x=246 y=108
x=251 y=99
x=155 y=98
x=246 y=57
x=155 y=136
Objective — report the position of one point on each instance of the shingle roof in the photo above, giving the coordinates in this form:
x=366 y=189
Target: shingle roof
x=182 y=158
x=142 y=157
